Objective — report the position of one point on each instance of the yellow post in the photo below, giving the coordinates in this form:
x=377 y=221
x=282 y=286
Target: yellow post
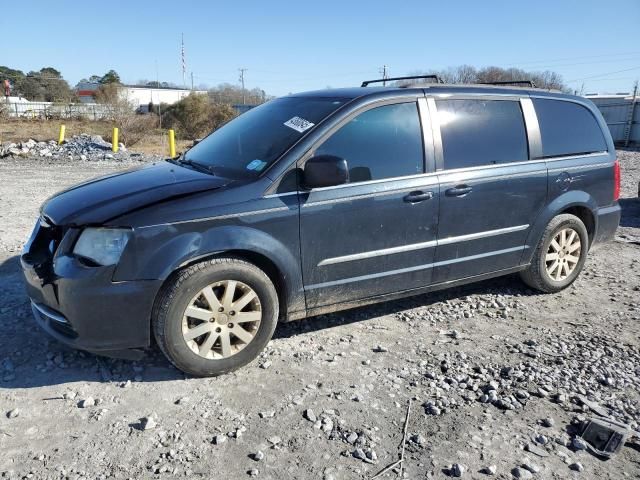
x=172 y=143
x=61 y=134
x=114 y=140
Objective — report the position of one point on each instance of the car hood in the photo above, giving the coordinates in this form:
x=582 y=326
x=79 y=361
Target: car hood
x=105 y=198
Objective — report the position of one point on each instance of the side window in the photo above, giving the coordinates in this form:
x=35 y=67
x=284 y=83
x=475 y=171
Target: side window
x=481 y=132
x=567 y=128
x=383 y=142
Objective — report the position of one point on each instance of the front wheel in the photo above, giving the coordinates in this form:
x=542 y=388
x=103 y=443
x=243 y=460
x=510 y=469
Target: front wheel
x=215 y=316
x=559 y=256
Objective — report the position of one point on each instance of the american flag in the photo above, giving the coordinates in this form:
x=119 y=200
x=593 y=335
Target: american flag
x=184 y=63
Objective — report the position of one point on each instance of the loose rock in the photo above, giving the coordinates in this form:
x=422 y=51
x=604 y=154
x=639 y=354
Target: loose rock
x=13 y=413
x=87 y=402
x=148 y=423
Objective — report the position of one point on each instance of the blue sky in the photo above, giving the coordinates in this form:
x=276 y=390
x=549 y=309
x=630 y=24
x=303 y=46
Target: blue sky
x=291 y=46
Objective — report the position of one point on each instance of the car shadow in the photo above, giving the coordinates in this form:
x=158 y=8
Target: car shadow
x=506 y=285
x=29 y=358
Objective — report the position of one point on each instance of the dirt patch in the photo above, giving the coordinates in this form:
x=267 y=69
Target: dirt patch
x=328 y=397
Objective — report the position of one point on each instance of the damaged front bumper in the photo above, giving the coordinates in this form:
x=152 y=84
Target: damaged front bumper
x=79 y=304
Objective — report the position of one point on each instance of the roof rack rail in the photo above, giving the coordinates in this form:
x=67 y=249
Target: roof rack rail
x=526 y=83
x=393 y=79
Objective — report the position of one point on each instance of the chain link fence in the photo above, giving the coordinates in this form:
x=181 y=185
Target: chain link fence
x=53 y=111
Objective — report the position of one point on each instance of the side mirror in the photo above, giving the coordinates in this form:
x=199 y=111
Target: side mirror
x=325 y=171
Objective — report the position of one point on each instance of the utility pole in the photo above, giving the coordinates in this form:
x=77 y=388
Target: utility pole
x=242 y=70
x=632 y=109
x=158 y=86
x=383 y=71
x=191 y=81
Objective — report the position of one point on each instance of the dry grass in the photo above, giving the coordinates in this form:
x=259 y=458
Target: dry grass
x=158 y=144
x=44 y=130
x=18 y=130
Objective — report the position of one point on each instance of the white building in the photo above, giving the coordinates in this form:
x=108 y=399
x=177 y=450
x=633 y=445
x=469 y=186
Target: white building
x=139 y=96
x=142 y=96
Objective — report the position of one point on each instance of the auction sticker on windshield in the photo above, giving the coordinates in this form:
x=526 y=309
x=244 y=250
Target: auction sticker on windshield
x=256 y=165
x=299 y=124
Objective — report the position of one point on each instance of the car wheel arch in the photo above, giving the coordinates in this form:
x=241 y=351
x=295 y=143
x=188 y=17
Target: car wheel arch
x=578 y=203
x=263 y=262
x=586 y=215
x=246 y=243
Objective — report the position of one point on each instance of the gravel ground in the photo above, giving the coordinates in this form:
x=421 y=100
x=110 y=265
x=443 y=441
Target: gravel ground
x=493 y=372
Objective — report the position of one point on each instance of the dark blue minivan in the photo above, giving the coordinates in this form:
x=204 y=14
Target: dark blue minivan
x=318 y=202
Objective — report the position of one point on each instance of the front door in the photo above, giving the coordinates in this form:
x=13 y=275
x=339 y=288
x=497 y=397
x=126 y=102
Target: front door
x=490 y=192
x=376 y=234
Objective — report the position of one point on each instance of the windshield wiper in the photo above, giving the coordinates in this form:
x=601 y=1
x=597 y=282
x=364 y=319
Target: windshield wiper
x=195 y=165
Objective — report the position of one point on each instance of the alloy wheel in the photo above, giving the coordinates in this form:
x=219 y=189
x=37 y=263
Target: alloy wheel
x=563 y=254
x=222 y=319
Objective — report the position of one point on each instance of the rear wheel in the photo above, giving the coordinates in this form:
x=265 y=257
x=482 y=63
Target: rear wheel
x=215 y=316
x=559 y=256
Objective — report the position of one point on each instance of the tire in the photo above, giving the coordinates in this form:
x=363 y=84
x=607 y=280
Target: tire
x=537 y=275
x=192 y=288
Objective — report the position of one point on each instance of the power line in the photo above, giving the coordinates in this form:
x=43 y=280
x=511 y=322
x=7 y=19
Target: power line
x=613 y=79
x=317 y=77
x=603 y=74
x=575 y=58
x=631 y=59
x=210 y=75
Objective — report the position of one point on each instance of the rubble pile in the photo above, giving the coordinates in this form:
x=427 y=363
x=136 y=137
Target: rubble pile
x=575 y=372
x=82 y=147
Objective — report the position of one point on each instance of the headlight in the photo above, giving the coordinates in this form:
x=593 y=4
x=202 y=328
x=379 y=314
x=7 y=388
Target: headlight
x=102 y=245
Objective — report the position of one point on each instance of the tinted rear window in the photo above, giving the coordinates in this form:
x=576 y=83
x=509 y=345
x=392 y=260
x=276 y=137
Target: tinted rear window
x=567 y=128
x=481 y=132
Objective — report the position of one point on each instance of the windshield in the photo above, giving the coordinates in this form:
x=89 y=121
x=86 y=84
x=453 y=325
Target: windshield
x=251 y=142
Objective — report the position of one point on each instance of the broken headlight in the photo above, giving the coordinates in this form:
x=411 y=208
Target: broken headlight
x=102 y=245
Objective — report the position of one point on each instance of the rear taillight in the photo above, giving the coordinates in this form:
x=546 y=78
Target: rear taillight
x=616 y=180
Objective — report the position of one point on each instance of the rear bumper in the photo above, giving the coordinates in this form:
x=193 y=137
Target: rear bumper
x=607 y=223
x=81 y=307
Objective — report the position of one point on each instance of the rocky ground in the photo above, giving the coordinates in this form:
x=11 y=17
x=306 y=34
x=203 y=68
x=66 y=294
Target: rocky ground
x=495 y=373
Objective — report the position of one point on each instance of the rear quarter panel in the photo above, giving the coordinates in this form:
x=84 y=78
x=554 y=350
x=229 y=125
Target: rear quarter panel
x=577 y=181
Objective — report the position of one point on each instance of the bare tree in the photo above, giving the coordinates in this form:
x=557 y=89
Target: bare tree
x=115 y=100
x=467 y=74
x=546 y=79
x=196 y=115
x=229 y=94
x=460 y=74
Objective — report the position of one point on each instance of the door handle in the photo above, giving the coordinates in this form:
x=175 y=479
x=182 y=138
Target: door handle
x=418 y=196
x=458 y=191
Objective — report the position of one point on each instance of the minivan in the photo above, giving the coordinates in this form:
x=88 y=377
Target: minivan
x=322 y=201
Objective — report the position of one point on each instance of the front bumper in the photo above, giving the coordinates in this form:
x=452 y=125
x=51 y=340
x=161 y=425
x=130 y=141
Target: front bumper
x=81 y=306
